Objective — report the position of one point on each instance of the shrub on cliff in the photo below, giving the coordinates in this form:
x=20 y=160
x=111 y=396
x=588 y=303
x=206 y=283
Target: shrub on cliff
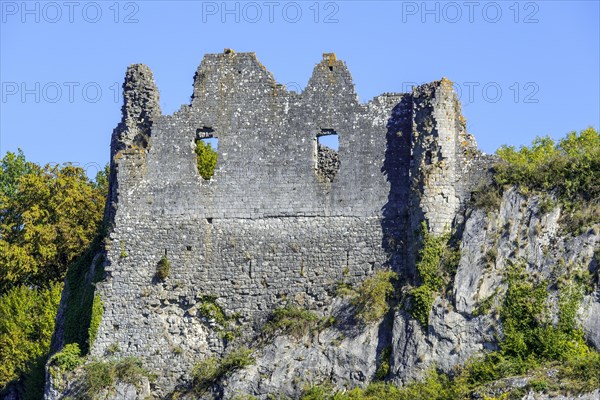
x=68 y=358
x=371 y=300
x=569 y=168
x=291 y=320
x=208 y=371
x=436 y=263
x=103 y=375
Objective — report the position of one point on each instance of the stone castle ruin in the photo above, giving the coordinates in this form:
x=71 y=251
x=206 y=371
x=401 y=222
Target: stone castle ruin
x=283 y=218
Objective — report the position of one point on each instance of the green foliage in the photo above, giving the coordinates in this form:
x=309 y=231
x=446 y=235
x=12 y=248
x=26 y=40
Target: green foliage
x=421 y=304
x=80 y=298
x=530 y=339
x=33 y=382
x=212 y=311
x=26 y=326
x=206 y=159
x=208 y=371
x=434 y=386
x=291 y=320
x=97 y=312
x=12 y=168
x=48 y=216
x=531 y=345
x=113 y=349
x=163 y=269
x=68 y=358
x=571 y=168
x=581 y=373
x=436 y=264
x=226 y=325
x=577 y=374
x=103 y=375
x=319 y=392
x=99 y=375
x=384 y=364
x=529 y=335
x=570 y=298
x=371 y=300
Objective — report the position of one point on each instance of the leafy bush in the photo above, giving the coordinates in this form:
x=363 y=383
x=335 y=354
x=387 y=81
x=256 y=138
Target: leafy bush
x=291 y=320
x=212 y=311
x=422 y=298
x=103 y=375
x=97 y=312
x=487 y=197
x=208 y=371
x=570 y=168
x=68 y=358
x=163 y=269
x=26 y=326
x=371 y=300
x=206 y=159
x=384 y=364
x=98 y=375
x=436 y=264
x=581 y=373
x=435 y=386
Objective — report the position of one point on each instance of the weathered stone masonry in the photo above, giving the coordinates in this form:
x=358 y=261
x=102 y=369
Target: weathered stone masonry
x=267 y=227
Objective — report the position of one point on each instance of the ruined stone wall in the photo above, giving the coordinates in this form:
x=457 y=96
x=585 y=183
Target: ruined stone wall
x=267 y=228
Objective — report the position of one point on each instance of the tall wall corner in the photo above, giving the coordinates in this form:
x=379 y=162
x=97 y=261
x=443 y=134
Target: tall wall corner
x=141 y=107
x=440 y=150
x=131 y=137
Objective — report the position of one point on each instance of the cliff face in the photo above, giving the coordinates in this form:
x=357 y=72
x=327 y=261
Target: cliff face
x=274 y=227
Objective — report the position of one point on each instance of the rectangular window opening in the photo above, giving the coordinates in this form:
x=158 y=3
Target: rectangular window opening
x=327 y=157
x=329 y=138
x=206 y=152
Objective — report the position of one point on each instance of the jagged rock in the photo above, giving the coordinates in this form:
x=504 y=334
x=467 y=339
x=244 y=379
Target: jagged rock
x=287 y=366
x=451 y=339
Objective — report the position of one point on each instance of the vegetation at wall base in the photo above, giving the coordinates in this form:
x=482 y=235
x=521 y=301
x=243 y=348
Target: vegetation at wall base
x=295 y=321
x=103 y=375
x=210 y=370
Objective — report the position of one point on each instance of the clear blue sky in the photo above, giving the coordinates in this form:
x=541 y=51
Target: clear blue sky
x=522 y=68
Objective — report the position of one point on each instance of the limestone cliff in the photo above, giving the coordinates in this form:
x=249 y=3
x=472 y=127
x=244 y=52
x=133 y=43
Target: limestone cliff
x=283 y=221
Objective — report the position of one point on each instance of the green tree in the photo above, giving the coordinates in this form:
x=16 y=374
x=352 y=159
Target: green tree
x=26 y=326
x=206 y=158
x=48 y=218
x=12 y=167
